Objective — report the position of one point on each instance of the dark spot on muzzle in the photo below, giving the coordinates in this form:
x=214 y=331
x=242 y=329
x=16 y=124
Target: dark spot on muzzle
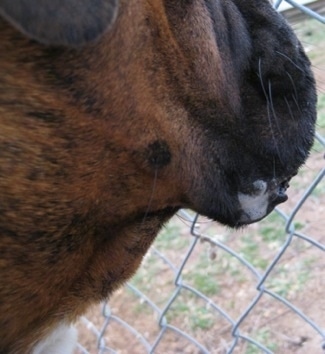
x=158 y=154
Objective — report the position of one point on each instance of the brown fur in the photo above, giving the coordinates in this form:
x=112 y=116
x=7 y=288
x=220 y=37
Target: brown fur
x=97 y=151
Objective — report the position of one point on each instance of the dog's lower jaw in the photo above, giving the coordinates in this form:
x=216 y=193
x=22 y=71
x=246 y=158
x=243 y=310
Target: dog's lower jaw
x=61 y=340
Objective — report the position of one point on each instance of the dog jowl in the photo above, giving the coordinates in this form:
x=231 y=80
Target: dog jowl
x=116 y=115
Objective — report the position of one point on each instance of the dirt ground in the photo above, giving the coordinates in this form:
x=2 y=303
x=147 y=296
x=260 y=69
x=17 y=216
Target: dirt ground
x=299 y=276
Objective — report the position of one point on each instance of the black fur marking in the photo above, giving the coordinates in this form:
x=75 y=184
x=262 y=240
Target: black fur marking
x=158 y=154
x=34 y=174
x=87 y=99
x=47 y=116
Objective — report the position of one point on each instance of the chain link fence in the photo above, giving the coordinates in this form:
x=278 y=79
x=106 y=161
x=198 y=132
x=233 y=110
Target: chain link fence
x=259 y=290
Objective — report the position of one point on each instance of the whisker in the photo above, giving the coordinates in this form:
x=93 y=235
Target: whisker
x=189 y=222
x=272 y=130
x=317 y=67
x=261 y=79
x=296 y=102
x=274 y=170
x=183 y=219
x=275 y=119
x=267 y=97
x=291 y=61
x=151 y=196
x=308 y=46
x=272 y=108
x=289 y=108
x=293 y=84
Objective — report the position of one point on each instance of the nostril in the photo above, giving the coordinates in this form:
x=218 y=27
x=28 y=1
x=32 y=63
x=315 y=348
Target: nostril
x=283 y=187
x=285 y=183
x=280 y=194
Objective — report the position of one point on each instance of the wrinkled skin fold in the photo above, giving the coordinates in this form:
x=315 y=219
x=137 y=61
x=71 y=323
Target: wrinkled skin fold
x=200 y=104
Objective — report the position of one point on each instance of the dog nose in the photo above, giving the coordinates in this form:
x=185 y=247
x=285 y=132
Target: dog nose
x=279 y=195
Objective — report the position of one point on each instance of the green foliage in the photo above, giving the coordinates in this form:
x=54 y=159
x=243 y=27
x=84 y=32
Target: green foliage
x=256 y=246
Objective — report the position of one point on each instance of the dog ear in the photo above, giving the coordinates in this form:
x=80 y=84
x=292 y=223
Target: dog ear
x=61 y=22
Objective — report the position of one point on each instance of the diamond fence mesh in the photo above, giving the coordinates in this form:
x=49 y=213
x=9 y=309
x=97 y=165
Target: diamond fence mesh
x=206 y=289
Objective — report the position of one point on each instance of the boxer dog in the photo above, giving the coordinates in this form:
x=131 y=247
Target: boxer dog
x=114 y=114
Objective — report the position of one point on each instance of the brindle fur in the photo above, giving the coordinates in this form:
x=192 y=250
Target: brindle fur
x=103 y=143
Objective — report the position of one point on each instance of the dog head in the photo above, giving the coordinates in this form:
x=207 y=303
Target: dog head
x=250 y=94
x=203 y=104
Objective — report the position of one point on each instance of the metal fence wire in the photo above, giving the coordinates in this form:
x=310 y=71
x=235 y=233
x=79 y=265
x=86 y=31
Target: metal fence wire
x=180 y=308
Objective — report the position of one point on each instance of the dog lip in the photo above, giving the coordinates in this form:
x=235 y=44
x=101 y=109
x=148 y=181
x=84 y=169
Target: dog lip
x=248 y=221
x=279 y=196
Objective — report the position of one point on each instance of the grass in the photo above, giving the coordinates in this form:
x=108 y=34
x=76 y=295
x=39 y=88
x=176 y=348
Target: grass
x=258 y=246
x=198 y=316
x=265 y=337
x=290 y=278
x=203 y=319
x=269 y=237
x=203 y=275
